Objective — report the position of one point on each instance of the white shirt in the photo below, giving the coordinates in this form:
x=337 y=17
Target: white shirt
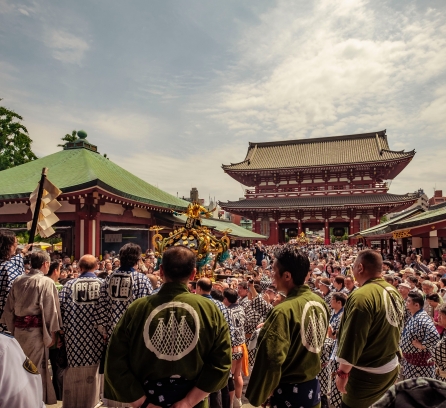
x=18 y=387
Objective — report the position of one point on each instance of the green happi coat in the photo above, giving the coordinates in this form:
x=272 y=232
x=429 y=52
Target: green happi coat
x=369 y=337
x=289 y=344
x=172 y=333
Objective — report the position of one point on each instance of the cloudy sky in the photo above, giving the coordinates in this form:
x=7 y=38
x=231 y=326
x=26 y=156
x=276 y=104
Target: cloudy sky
x=171 y=90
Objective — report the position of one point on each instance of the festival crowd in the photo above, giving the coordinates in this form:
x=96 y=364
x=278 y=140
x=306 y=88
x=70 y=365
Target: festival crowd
x=76 y=327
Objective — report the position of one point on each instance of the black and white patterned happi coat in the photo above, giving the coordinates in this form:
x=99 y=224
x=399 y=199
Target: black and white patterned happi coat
x=83 y=341
x=328 y=362
x=9 y=271
x=419 y=327
x=256 y=311
x=439 y=356
x=118 y=291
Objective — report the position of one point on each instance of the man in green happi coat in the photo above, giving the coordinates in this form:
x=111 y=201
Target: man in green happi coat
x=289 y=346
x=169 y=349
x=369 y=335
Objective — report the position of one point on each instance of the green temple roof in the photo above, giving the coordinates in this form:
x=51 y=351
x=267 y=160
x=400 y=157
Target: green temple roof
x=79 y=167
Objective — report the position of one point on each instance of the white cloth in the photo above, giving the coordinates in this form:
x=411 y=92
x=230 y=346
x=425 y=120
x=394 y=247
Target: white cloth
x=18 y=387
x=386 y=368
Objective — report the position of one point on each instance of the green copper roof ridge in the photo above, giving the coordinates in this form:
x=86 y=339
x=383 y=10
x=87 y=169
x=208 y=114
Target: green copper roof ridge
x=92 y=169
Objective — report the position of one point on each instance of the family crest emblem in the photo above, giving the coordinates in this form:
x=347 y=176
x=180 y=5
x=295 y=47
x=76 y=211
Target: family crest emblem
x=393 y=315
x=313 y=326
x=171 y=331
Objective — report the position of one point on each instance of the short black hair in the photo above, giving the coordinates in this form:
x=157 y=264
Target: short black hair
x=129 y=255
x=53 y=267
x=371 y=261
x=178 y=263
x=416 y=298
x=231 y=295
x=434 y=297
x=340 y=297
x=290 y=259
x=217 y=294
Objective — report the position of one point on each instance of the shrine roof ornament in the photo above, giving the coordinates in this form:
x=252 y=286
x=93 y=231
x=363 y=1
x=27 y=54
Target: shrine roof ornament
x=325 y=151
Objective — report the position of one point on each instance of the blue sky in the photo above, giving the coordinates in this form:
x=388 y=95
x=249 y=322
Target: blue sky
x=171 y=90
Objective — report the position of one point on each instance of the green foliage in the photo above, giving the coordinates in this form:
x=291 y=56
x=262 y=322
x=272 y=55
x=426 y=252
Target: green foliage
x=68 y=138
x=15 y=144
x=383 y=219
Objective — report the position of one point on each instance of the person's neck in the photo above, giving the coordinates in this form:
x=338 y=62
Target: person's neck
x=53 y=277
x=288 y=289
x=415 y=312
x=337 y=310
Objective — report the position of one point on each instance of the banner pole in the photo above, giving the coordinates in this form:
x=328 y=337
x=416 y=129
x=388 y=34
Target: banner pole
x=32 y=232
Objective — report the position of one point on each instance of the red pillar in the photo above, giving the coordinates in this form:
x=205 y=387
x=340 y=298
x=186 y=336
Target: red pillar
x=299 y=226
x=77 y=235
x=88 y=236
x=404 y=246
x=426 y=248
x=391 y=246
x=327 y=232
x=273 y=233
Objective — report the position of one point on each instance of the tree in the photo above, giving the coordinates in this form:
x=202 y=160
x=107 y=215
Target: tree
x=68 y=138
x=15 y=144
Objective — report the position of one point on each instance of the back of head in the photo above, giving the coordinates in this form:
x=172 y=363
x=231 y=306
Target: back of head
x=205 y=284
x=217 y=294
x=129 y=255
x=7 y=240
x=230 y=295
x=290 y=259
x=178 y=263
x=371 y=261
x=38 y=259
x=87 y=263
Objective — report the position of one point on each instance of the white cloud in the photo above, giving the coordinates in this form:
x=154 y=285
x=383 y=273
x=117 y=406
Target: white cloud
x=66 y=47
x=334 y=69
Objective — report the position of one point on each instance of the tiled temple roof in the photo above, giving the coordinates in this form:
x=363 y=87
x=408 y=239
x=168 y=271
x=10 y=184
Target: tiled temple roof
x=324 y=151
x=319 y=201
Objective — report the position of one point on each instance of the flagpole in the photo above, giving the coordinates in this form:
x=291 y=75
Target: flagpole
x=32 y=232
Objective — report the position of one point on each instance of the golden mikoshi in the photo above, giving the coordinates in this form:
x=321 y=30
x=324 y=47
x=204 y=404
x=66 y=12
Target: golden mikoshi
x=196 y=237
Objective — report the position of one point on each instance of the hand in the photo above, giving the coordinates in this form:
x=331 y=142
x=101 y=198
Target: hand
x=417 y=344
x=182 y=404
x=139 y=402
x=26 y=249
x=341 y=384
x=53 y=339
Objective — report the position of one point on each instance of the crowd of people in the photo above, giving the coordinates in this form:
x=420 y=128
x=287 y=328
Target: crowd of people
x=355 y=320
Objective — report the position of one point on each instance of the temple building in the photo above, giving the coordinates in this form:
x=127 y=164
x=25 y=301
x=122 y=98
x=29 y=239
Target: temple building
x=333 y=185
x=103 y=205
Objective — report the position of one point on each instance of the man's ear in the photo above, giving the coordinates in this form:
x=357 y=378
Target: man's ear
x=192 y=275
x=161 y=271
